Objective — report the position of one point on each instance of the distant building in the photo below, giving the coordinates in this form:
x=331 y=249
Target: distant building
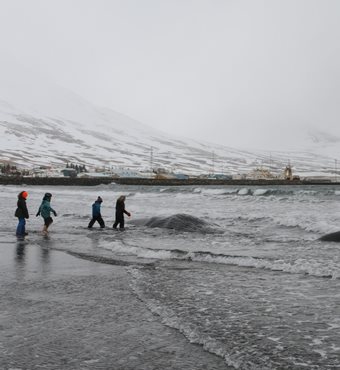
x=126 y=172
x=239 y=176
x=147 y=174
x=181 y=176
x=261 y=174
x=318 y=178
x=44 y=171
x=288 y=173
x=220 y=176
x=69 y=172
x=95 y=174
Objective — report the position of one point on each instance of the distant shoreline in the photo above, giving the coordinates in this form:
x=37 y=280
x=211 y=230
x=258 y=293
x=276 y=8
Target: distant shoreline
x=94 y=181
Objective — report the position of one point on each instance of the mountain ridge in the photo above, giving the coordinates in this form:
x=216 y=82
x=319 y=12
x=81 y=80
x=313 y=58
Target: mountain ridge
x=55 y=126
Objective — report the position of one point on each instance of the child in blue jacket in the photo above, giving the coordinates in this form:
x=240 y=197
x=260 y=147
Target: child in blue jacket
x=45 y=210
x=96 y=214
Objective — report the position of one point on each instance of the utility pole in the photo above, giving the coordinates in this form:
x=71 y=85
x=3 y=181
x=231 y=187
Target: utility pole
x=213 y=162
x=151 y=159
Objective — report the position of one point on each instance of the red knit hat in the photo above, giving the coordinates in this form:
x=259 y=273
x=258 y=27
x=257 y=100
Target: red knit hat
x=24 y=194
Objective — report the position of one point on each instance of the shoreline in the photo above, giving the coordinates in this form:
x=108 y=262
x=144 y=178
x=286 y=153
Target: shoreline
x=95 y=181
x=62 y=312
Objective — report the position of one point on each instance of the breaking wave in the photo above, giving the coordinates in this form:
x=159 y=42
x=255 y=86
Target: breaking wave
x=303 y=266
x=266 y=191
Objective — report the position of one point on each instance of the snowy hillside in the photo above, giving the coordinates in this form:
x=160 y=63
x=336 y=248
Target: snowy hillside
x=51 y=125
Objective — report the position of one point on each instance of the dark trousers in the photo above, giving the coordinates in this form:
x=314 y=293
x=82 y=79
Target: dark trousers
x=48 y=221
x=119 y=221
x=99 y=220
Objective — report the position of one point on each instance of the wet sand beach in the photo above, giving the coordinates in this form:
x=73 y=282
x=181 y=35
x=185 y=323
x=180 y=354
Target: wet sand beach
x=62 y=312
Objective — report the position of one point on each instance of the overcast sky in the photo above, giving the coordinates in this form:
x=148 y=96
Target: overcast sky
x=232 y=72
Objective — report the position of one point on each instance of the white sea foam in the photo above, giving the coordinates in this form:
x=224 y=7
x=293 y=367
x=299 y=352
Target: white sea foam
x=124 y=249
x=213 y=191
x=298 y=266
x=259 y=192
x=244 y=191
x=171 y=319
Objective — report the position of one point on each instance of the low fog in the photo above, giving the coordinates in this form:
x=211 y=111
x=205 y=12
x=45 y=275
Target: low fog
x=245 y=74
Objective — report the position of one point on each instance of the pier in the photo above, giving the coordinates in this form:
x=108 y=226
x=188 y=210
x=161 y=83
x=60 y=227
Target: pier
x=94 y=181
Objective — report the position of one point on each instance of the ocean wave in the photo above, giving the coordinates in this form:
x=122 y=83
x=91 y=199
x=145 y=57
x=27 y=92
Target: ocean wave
x=286 y=223
x=108 y=260
x=170 y=318
x=275 y=192
x=298 y=266
x=244 y=191
x=310 y=225
x=219 y=191
x=267 y=191
x=254 y=218
x=174 y=189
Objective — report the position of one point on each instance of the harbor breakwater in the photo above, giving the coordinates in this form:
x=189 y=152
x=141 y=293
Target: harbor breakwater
x=93 y=181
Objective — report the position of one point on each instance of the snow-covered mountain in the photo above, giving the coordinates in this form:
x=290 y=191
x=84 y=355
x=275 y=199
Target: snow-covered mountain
x=45 y=124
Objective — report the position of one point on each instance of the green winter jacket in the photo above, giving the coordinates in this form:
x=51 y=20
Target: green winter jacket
x=45 y=209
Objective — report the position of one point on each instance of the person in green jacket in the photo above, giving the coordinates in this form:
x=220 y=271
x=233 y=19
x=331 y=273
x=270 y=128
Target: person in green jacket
x=45 y=210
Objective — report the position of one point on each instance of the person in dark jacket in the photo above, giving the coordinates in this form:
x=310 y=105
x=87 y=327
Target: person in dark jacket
x=96 y=214
x=45 y=210
x=120 y=210
x=22 y=213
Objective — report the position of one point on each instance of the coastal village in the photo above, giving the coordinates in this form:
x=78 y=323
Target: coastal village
x=73 y=170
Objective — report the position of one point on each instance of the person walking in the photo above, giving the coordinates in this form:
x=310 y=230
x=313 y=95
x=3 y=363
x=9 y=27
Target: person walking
x=45 y=210
x=120 y=210
x=96 y=214
x=22 y=213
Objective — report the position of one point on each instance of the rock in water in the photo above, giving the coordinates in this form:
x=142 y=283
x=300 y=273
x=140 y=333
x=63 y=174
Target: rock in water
x=180 y=222
x=332 y=237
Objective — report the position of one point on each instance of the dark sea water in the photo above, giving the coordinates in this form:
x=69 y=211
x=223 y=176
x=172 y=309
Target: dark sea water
x=238 y=270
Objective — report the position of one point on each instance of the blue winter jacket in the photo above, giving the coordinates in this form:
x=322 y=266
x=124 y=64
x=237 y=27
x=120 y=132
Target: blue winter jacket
x=96 y=209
